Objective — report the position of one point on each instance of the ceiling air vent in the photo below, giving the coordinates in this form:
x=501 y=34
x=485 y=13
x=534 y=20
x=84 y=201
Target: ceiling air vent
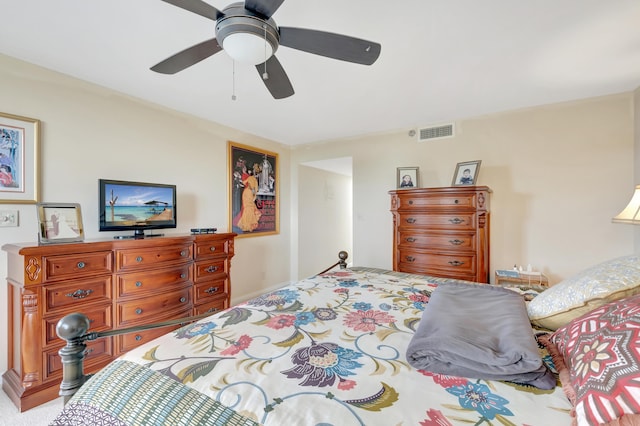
x=436 y=132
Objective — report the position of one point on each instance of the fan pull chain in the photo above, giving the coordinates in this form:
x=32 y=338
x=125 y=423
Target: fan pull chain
x=265 y=75
x=233 y=90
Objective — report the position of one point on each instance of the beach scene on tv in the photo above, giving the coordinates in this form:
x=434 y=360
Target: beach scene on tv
x=128 y=204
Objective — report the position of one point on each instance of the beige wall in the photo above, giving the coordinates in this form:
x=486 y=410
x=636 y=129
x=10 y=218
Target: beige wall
x=324 y=219
x=90 y=133
x=559 y=173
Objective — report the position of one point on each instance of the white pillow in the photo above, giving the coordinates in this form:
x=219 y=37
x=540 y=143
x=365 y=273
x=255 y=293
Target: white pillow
x=585 y=291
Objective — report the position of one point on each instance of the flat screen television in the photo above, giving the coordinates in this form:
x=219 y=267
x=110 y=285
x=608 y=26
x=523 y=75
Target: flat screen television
x=136 y=206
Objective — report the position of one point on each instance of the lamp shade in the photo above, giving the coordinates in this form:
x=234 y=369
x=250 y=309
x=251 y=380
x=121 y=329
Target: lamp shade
x=631 y=213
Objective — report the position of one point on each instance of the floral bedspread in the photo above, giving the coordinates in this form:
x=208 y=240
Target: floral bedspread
x=330 y=350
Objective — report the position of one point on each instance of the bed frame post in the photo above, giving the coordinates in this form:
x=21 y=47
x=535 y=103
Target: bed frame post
x=73 y=329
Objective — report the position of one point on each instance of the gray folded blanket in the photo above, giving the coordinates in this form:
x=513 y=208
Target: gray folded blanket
x=478 y=331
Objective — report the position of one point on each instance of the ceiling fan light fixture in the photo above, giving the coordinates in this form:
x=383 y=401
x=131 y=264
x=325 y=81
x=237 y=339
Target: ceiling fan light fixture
x=247 y=48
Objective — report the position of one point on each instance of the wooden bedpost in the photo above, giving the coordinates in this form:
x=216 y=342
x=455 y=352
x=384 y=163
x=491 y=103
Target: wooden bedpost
x=72 y=328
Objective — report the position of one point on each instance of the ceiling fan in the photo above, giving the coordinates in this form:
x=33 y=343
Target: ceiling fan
x=248 y=34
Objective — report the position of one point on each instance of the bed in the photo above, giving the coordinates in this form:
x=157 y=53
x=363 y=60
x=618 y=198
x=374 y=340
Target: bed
x=327 y=350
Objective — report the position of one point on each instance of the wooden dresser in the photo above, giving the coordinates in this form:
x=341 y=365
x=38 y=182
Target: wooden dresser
x=117 y=284
x=443 y=232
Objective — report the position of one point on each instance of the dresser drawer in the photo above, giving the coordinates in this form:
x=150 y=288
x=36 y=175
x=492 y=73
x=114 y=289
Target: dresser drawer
x=77 y=265
x=437 y=201
x=99 y=319
x=129 y=341
x=210 y=289
x=206 y=270
x=78 y=292
x=97 y=351
x=461 y=221
x=143 y=258
x=148 y=309
x=209 y=249
x=132 y=284
x=449 y=241
x=456 y=263
x=212 y=307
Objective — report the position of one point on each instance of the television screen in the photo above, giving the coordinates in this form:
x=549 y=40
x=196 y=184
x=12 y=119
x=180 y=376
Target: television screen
x=136 y=206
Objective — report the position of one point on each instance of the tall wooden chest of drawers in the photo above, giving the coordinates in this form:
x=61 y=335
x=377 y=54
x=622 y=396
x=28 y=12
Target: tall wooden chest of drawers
x=443 y=232
x=117 y=284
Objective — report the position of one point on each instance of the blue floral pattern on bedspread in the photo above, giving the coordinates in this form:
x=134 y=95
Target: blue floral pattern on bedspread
x=331 y=350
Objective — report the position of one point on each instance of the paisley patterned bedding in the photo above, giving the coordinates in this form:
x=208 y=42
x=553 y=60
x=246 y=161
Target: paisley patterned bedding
x=330 y=350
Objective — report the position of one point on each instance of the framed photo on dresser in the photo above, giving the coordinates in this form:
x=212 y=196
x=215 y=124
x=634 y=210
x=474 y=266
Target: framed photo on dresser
x=466 y=173
x=59 y=223
x=407 y=178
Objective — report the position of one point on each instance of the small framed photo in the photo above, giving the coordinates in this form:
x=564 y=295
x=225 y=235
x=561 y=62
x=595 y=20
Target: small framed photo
x=466 y=173
x=407 y=177
x=59 y=223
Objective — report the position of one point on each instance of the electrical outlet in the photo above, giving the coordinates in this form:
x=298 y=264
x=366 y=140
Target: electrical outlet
x=8 y=217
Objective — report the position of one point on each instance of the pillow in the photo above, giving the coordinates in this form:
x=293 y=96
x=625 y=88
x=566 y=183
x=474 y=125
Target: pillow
x=598 y=359
x=593 y=287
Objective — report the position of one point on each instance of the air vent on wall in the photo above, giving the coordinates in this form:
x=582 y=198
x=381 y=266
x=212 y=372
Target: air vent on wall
x=436 y=132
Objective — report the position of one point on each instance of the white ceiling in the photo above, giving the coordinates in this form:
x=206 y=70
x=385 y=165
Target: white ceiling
x=441 y=60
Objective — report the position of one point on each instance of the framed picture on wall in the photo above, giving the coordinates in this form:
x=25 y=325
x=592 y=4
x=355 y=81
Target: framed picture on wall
x=59 y=223
x=253 y=191
x=19 y=166
x=407 y=178
x=466 y=173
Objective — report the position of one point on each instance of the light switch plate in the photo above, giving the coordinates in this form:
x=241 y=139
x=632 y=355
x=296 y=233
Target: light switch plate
x=8 y=217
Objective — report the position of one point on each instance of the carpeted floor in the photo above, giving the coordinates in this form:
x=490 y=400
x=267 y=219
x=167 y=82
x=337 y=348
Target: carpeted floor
x=41 y=415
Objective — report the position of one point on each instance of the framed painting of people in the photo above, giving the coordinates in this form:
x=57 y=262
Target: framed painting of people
x=19 y=161
x=466 y=173
x=253 y=191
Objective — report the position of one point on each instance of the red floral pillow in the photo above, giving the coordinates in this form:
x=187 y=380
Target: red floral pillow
x=601 y=353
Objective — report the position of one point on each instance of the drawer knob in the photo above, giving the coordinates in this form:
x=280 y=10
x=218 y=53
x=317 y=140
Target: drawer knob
x=212 y=268
x=183 y=253
x=138 y=311
x=456 y=242
x=212 y=310
x=212 y=248
x=138 y=337
x=81 y=265
x=410 y=240
x=139 y=259
x=138 y=283
x=411 y=220
x=183 y=299
x=456 y=201
x=79 y=294
x=183 y=275
x=410 y=259
x=211 y=290
x=410 y=201
x=456 y=220
x=456 y=263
